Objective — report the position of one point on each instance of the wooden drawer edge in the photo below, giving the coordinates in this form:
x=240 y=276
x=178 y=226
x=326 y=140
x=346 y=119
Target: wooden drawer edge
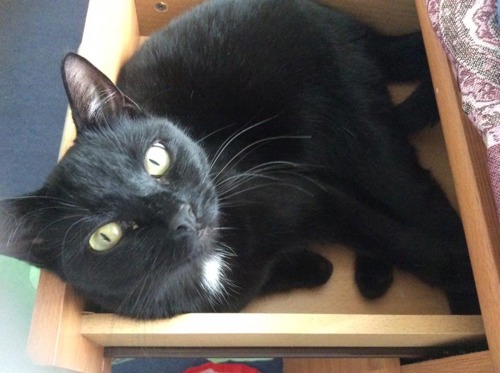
x=283 y=330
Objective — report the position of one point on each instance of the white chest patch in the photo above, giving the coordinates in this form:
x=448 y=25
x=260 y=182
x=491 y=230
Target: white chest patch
x=212 y=274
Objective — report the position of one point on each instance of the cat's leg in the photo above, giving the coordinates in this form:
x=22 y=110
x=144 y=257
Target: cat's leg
x=393 y=180
x=297 y=269
x=373 y=276
x=413 y=197
x=429 y=254
x=438 y=260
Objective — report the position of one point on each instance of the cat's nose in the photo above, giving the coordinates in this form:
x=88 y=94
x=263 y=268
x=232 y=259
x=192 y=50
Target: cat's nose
x=184 y=219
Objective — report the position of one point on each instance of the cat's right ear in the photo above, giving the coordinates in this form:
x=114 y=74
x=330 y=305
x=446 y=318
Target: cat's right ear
x=94 y=100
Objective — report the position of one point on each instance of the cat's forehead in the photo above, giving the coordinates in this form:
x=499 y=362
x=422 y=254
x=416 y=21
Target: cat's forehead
x=136 y=134
x=111 y=161
x=129 y=140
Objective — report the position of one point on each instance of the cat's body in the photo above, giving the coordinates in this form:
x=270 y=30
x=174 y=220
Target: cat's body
x=252 y=130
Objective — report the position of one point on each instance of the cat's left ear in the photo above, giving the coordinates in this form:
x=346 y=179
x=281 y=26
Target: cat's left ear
x=22 y=230
x=94 y=100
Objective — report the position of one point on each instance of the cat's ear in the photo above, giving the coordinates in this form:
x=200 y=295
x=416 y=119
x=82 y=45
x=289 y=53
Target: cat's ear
x=93 y=98
x=20 y=231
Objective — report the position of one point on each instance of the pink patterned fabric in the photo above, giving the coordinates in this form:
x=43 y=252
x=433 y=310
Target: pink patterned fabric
x=470 y=35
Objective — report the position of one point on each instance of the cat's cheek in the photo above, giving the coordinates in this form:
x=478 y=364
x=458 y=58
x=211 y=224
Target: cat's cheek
x=208 y=206
x=211 y=216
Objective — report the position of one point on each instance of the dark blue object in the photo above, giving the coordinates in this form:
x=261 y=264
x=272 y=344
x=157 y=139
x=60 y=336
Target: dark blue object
x=34 y=36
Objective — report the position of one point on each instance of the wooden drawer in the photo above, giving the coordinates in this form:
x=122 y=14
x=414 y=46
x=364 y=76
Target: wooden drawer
x=325 y=321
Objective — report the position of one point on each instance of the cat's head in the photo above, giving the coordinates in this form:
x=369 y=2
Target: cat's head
x=128 y=216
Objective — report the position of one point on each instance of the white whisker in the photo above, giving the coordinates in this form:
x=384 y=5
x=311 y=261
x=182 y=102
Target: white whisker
x=233 y=137
x=264 y=186
x=254 y=145
x=214 y=132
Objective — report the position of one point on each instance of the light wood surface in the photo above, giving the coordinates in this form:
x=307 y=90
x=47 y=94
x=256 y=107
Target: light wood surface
x=468 y=164
x=282 y=330
x=150 y=19
x=55 y=338
x=341 y=365
x=478 y=362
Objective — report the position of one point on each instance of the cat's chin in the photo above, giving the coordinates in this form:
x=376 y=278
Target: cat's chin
x=210 y=262
x=213 y=274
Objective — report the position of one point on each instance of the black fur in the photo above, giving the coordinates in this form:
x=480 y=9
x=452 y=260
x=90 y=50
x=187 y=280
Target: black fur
x=281 y=134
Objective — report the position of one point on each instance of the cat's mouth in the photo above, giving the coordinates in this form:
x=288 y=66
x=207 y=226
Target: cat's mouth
x=202 y=243
x=210 y=262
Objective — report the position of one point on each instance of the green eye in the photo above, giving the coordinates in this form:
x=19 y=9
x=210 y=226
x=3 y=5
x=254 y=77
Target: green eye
x=157 y=160
x=106 y=237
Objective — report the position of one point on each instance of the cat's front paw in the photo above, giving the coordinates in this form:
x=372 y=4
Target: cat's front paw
x=298 y=269
x=320 y=269
x=373 y=277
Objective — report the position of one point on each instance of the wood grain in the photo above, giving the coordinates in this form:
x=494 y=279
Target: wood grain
x=151 y=19
x=469 y=167
x=282 y=330
x=341 y=365
x=479 y=362
x=55 y=338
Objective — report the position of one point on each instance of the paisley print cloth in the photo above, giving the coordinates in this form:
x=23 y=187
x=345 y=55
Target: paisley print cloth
x=470 y=35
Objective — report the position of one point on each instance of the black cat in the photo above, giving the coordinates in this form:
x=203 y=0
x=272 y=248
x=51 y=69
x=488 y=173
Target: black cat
x=241 y=134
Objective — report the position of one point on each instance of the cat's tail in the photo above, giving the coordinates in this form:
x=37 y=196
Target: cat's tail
x=403 y=58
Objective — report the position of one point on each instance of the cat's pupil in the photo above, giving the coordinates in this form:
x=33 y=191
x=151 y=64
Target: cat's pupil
x=104 y=237
x=154 y=162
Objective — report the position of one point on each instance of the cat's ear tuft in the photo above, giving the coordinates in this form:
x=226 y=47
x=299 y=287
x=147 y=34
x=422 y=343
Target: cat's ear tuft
x=94 y=100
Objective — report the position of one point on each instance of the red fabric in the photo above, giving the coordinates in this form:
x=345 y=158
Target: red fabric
x=222 y=368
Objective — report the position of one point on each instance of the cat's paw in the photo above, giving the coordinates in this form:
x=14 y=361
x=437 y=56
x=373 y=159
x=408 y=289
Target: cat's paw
x=320 y=270
x=373 y=277
x=299 y=269
x=463 y=303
